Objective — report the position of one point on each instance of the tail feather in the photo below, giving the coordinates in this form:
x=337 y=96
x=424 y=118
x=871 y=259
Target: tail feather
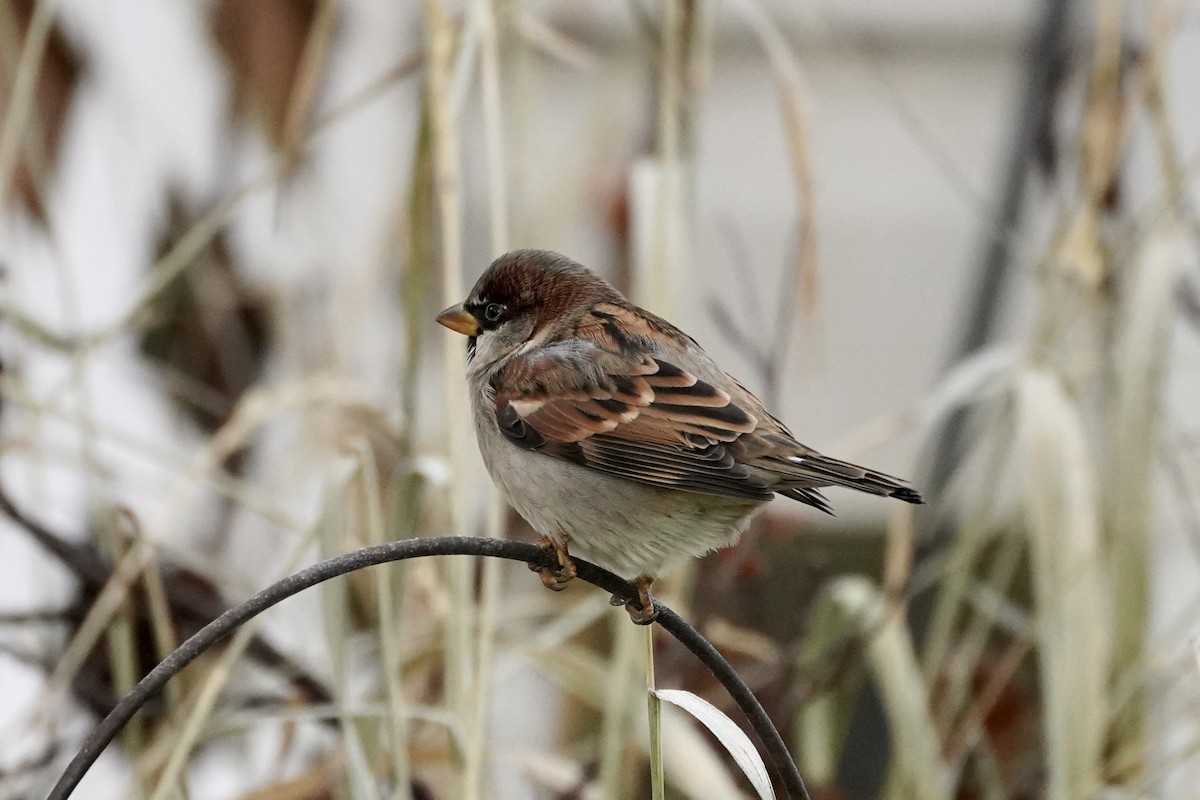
x=814 y=469
x=810 y=497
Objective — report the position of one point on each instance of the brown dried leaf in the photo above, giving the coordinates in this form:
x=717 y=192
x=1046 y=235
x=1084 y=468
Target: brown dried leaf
x=265 y=44
x=58 y=73
x=208 y=333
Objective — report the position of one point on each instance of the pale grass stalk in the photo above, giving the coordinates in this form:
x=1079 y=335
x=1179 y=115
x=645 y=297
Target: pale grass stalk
x=973 y=639
x=236 y=489
x=792 y=88
x=389 y=627
x=18 y=112
x=313 y=60
x=460 y=660
x=1071 y=584
x=660 y=201
x=969 y=544
x=568 y=623
x=21 y=131
x=166 y=639
x=466 y=57
x=162 y=629
x=898 y=553
x=693 y=767
x=555 y=44
x=856 y=605
x=1165 y=23
x=493 y=127
x=243 y=721
x=359 y=775
x=819 y=728
x=1101 y=136
x=95 y=623
x=490 y=590
x=954 y=666
x=254 y=411
x=204 y=700
x=360 y=778
x=620 y=687
x=918 y=772
x=970 y=729
x=1140 y=355
x=697 y=769
x=492 y=569
x=417 y=226
x=654 y=718
x=585 y=675
x=121 y=642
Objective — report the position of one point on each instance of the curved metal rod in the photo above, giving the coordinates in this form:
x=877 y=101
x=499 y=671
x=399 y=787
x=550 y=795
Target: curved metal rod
x=227 y=623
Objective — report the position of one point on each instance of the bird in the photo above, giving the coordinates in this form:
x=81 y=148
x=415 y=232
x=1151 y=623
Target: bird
x=612 y=432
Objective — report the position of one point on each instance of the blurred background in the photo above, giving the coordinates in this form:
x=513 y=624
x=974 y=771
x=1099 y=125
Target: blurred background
x=955 y=241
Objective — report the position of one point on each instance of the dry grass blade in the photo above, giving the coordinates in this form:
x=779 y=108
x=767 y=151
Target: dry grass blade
x=728 y=733
x=693 y=767
x=21 y=103
x=854 y=605
x=195 y=714
x=658 y=788
x=498 y=218
x=792 y=88
x=389 y=629
x=819 y=730
x=1071 y=585
x=620 y=689
x=1143 y=340
x=555 y=44
x=459 y=630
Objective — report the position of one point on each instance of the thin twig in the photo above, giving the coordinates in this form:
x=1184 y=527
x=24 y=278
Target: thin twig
x=232 y=619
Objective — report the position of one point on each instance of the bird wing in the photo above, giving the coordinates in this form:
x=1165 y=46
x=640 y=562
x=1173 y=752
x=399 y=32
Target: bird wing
x=626 y=413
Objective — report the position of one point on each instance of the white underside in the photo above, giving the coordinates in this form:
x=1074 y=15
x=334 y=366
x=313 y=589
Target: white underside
x=629 y=528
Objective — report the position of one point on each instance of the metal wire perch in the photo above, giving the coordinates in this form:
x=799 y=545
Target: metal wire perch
x=222 y=627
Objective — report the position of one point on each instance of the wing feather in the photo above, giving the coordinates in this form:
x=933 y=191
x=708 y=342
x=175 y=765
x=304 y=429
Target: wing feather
x=629 y=415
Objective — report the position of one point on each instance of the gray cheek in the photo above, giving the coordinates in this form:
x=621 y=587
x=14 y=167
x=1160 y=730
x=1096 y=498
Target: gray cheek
x=492 y=346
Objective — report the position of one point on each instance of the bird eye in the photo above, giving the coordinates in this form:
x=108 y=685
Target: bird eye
x=492 y=312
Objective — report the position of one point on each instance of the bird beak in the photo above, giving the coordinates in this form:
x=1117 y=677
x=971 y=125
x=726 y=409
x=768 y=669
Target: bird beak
x=459 y=320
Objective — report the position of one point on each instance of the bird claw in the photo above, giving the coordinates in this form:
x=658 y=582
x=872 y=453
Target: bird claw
x=556 y=575
x=641 y=607
x=553 y=578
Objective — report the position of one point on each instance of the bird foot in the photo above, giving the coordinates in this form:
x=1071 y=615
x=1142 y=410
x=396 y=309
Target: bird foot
x=557 y=574
x=641 y=608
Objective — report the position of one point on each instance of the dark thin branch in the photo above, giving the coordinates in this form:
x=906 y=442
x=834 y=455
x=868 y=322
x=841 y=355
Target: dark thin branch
x=192 y=601
x=82 y=561
x=227 y=623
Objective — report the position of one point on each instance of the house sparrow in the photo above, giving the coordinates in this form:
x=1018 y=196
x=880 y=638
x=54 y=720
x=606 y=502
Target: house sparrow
x=610 y=430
